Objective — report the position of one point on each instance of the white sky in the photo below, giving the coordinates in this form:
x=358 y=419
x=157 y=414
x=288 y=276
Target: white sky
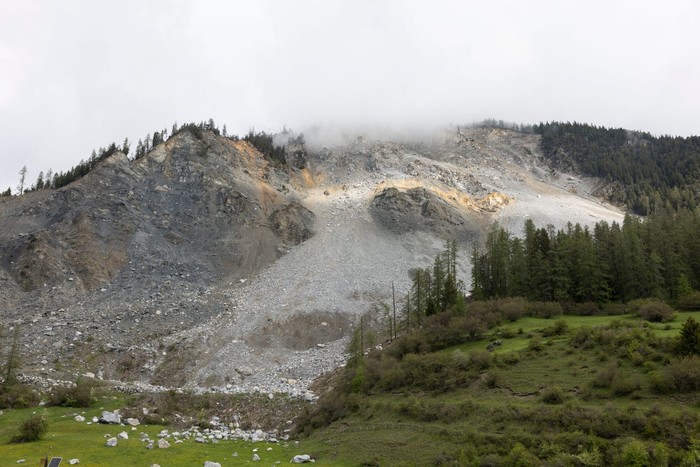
x=77 y=75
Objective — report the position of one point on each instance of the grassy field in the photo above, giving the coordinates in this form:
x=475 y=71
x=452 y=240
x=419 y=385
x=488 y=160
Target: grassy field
x=540 y=398
x=549 y=406
x=70 y=439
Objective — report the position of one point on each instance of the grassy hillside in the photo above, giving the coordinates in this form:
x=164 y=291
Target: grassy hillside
x=70 y=439
x=596 y=390
x=571 y=390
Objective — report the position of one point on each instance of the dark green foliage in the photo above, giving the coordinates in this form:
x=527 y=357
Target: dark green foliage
x=689 y=338
x=634 y=454
x=13 y=393
x=680 y=376
x=11 y=363
x=559 y=328
x=263 y=142
x=7 y=192
x=649 y=173
x=60 y=179
x=32 y=429
x=437 y=289
x=658 y=257
x=656 y=311
x=553 y=395
x=80 y=395
x=622 y=385
x=17 y=396
x=689 y=302
x=605 y=377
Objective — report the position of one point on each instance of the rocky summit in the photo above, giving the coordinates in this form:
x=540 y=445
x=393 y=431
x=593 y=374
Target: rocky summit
x=206 y=264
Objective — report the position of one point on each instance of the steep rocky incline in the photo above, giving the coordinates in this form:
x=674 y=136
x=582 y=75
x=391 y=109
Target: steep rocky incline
x=203 y=264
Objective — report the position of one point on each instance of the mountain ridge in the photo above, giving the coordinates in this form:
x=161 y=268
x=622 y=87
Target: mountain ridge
x=206 y=263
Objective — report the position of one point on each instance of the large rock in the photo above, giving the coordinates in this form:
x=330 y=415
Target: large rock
x=110 y=418
x=404 y=210
x=163 y=444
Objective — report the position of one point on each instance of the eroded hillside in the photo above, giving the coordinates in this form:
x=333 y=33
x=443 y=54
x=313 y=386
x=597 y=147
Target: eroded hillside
x=205 y=264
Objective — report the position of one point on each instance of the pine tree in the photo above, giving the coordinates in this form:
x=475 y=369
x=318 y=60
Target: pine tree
x=689 y=339
x=22 y=176
x=11 y=362
x=40 y=181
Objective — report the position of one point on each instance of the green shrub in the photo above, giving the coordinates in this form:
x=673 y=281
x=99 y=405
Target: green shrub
x=506 y=333
x=622 y=386
x=692 y=456
x=559 y=328
x=545 y=309
x=480 y=359
x=680 y=376
x=605 y=377
x=581 y=309
x=17 y=396
x=656 y=312
x=521 y=457
x=512 y=309
x=689 y=302
x=634 y=454
x=613 y=309
x=553 y=395
x=689 y=338
x=80 y=395
x=492 y=379
x=32 y=429
x=535 y=344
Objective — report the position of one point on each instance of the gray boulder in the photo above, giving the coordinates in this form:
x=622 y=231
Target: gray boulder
x=110 y=417
x=111 y=442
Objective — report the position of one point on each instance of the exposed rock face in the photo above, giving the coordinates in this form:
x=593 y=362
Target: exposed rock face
x=204 y=264
x=211 y=203
x=417 y=209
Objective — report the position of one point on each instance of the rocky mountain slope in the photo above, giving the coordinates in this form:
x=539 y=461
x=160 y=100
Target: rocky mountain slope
x=203 y=264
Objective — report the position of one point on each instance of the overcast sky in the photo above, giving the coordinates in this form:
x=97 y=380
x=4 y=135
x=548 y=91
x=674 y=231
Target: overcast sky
x=77 y=75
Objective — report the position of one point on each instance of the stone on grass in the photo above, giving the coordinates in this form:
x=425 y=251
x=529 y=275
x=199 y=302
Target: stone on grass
x=123 y=435
x=132 y=421
x=163 y=444
x=211 y=464
x=256 y=457
x=110 y=417
x=301 y=459
x=111 y=442
x=74 y=461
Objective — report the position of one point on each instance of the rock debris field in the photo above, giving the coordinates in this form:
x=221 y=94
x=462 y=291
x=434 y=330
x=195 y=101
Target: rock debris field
x=202 y=266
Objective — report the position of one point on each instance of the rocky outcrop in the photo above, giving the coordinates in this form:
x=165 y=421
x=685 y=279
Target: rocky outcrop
x=205 y=265
x=421 y=209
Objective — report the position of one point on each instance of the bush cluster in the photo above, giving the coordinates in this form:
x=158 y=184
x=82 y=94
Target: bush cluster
x=32 y=429
x=80 y=395
x=680 y=376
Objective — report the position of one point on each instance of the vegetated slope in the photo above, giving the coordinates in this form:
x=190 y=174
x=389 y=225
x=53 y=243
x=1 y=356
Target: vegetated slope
x=206 y=263
x=649 y=173
x=535 y=390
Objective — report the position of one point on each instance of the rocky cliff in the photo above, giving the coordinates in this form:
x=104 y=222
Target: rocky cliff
x=205 y=264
